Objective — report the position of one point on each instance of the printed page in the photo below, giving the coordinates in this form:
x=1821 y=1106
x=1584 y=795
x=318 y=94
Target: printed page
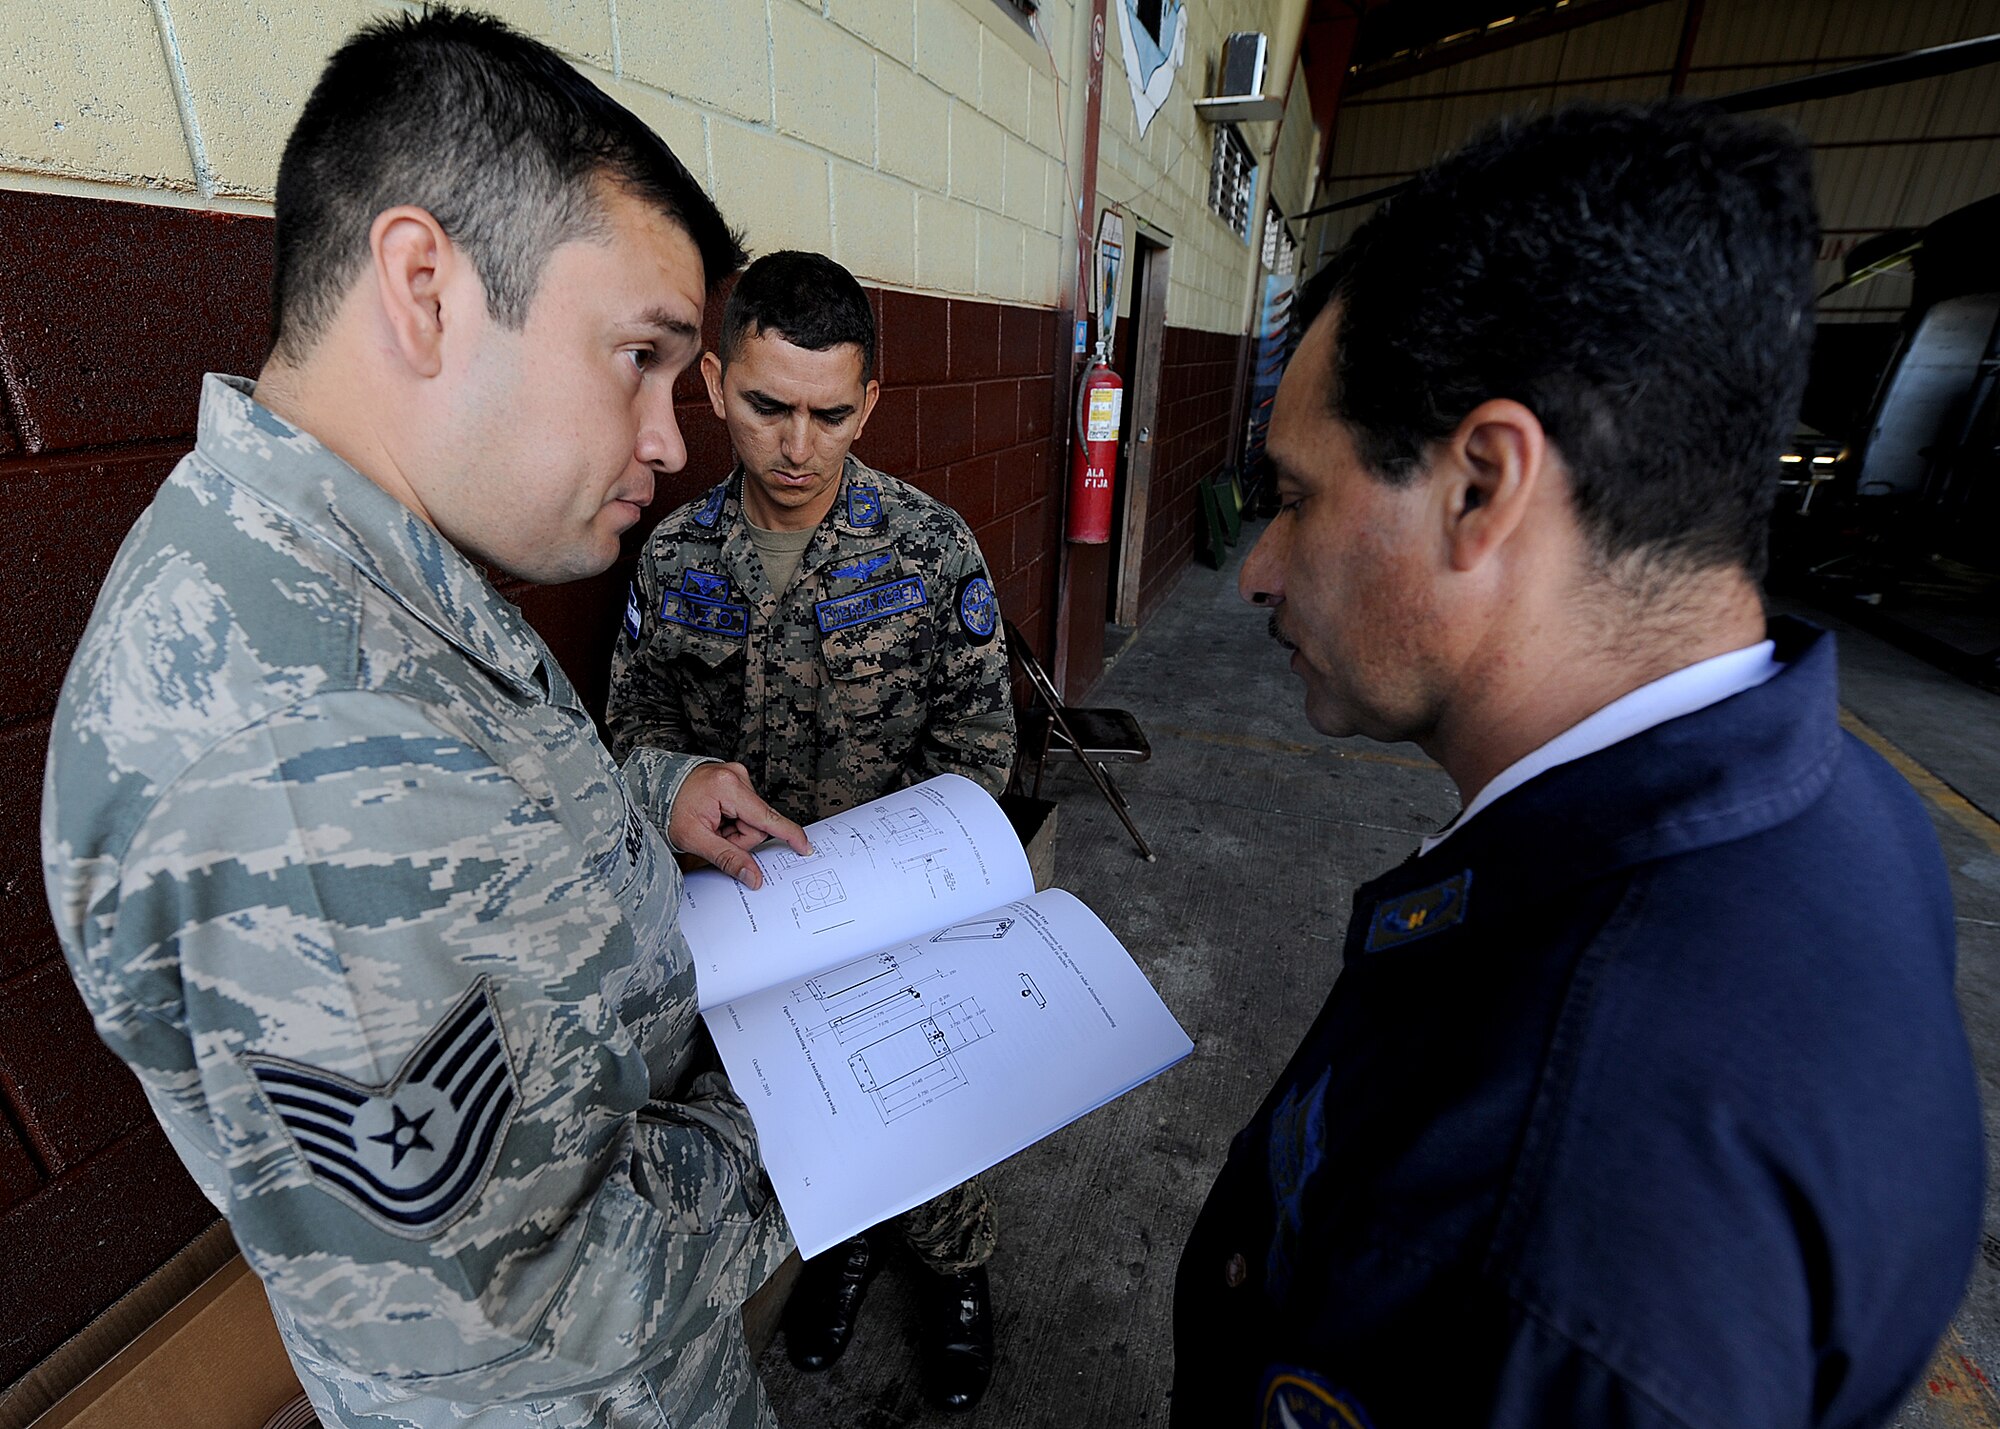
x=887 y=1079
x=908 y=863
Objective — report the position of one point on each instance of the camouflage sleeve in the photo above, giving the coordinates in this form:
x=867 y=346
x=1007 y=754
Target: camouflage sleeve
x=426 y=1022
x=971 y=702
x=644 y=706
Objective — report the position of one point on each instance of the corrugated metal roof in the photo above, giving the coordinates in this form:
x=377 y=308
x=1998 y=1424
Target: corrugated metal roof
x=1900 y=156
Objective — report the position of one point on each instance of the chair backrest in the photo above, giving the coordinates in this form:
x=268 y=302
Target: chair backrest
x=1032 y=668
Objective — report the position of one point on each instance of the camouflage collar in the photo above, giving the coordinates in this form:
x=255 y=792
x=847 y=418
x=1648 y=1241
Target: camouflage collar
x=415 y=566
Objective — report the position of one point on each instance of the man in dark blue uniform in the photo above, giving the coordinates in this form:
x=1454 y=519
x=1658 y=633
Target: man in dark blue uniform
x=1643 y=1097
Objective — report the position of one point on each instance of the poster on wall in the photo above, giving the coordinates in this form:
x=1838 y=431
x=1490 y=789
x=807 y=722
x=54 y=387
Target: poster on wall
x=1110 y=258
x=1152 y=61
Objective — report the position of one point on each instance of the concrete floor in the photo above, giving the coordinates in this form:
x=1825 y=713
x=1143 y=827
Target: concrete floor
x=1264 y=828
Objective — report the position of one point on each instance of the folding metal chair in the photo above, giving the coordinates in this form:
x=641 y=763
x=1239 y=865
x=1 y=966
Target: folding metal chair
x=1091 y=736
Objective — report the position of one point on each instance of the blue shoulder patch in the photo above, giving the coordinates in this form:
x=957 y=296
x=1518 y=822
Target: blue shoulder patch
x=864 y=568
x=978 y=608
x=864 y=506
x=1397 y=921
x=871 y=603
x=709 y=513
x=632 y=611
x=1293 y=1397
x=411 y=1154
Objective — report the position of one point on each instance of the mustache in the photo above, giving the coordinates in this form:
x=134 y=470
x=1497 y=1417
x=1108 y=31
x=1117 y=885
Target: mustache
x=1277 y=634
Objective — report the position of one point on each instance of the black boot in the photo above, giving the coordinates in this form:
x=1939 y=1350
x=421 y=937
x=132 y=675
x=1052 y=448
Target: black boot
x=820 y=1316
x=958 y=1338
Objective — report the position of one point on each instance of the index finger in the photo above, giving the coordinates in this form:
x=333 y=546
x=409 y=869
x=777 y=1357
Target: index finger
x=719 y=852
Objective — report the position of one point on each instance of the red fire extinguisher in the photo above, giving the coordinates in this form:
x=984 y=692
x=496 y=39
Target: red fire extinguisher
x=1096 y=456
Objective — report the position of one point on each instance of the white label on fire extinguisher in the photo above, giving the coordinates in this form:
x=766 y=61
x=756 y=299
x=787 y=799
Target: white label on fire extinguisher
x=1102 y=423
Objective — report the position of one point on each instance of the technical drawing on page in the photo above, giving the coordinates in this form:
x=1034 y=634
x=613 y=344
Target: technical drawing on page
x=860 y=999
x=932 y=868
x=1028 y=989
x=817 y=889
x=977 y=930
x=907 y=826
x=918 y=1062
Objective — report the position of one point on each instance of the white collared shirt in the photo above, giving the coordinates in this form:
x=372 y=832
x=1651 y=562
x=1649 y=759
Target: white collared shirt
x=1704 y=683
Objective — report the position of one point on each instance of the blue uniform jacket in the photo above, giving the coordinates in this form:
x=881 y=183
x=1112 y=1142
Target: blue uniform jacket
x=1643 y=1101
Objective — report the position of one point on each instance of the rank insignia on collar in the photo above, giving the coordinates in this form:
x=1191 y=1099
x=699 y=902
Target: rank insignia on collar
x=632 y=611
x=1397 y=921
x=864 y=506
x=865 y=567
x=704 y=585
x=1293 y=1397
x=712 y=511
x=410 y=1154
x=978 y=609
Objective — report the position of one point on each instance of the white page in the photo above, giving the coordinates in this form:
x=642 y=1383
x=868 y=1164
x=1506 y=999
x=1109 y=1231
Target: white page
x=905 y=864
x=882 y=1082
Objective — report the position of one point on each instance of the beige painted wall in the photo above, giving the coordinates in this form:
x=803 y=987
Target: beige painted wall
x=921 y=142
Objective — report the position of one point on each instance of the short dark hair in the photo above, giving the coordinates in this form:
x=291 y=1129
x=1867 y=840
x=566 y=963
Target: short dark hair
x=807 y=299
x=1638 y=276
x=492 y=134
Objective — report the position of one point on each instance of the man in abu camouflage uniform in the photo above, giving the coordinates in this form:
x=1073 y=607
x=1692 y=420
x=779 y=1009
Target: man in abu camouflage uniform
x=836 y=631
x=336 y=857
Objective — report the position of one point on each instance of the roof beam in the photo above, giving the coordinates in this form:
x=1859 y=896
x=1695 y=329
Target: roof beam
x=1571 y=17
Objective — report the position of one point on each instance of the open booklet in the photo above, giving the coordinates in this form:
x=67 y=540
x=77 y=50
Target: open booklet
x=902 y=1010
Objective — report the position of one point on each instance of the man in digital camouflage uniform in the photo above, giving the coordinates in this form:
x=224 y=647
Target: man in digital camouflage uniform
x=335 y=854
x=836 y=631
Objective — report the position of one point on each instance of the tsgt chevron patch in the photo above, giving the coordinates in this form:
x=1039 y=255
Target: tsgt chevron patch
x=870 y=603
x=411 y=1154
x=632 y=611
x=713 y=507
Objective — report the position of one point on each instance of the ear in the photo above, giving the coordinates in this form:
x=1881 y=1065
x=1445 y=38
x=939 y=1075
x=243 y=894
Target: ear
x=868 y=396
x=1494 y=465
x=414 y=263
x=711 y=374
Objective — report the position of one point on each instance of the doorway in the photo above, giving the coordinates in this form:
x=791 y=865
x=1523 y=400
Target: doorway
x=1140 y=342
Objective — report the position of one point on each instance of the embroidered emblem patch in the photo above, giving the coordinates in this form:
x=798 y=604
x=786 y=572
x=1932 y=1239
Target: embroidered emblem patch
x=711 y=617
x=704 y=585
x=1396 y=921
x=872 y=603
x=1296 y=1398
x=709 y=513
x=978 y=609
x=865 y=567
x=864 y=506
x=410 y=1154
x=632 y=611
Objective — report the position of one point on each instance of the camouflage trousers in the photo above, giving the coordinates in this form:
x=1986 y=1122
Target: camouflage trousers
x=954 y=1233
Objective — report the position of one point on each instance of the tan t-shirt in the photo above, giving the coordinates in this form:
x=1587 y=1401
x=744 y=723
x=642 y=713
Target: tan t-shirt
x=780 y=551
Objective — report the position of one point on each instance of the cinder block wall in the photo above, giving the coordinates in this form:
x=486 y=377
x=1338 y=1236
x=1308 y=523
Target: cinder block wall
x=928 y=144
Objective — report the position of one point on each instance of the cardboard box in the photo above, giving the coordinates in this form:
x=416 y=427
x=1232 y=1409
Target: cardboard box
x=213 y=1361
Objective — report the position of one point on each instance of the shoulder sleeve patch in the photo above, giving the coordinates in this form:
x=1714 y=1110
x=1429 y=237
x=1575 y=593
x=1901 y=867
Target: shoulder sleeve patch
x=411 y=1154
x=1296 y=1398
x=978 y=608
